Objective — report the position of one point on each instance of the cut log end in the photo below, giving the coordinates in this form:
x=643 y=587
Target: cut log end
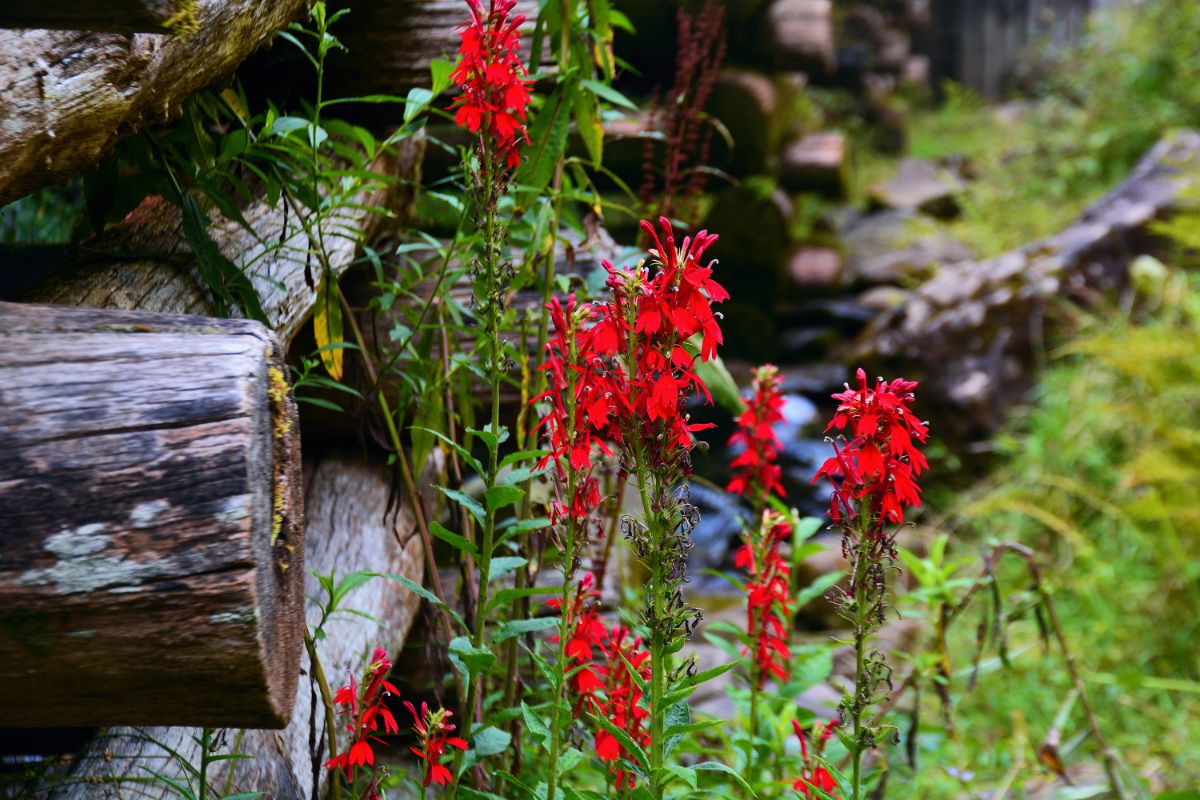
x=151 y=564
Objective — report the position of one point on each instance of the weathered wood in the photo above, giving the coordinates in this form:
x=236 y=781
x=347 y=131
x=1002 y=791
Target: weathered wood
x=350 y=526
x=164 y=276
x=970 y=333
x=68 y=96
x=150 y=557
x=391 y=43
x=110 y=16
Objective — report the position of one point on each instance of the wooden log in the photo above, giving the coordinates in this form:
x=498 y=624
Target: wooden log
x=391 y=44
x=351 y=525
x=164 y=276
x=111 y=16
x=151 y=554
x=68 y=96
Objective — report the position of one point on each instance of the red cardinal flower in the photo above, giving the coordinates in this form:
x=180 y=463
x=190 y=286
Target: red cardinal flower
x=814 y=775
x=490 y=74
x=769 y=604
x=755 y=469
x=880 y=463
x=363 y=705
x=433 y=731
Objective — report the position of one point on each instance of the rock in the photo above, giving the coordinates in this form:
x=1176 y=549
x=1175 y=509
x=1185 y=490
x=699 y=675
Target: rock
x=883 y=298
x=972 y=332
x=896 y=246
x=816 y=163
x=917 y=75
x=919 y=186
x=798 y=35
x=815 y=266
x=747 y=104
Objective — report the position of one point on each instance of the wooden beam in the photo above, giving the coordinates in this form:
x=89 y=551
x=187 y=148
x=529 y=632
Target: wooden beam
x=110 y=16
x=151 y=556
x=352 y=524
x=68 y=95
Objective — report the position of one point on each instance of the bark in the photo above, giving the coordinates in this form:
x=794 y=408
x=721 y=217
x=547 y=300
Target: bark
x=111 y=16
x=70 y=95
x=350 y=526
x=152 y=536
x=144 y=262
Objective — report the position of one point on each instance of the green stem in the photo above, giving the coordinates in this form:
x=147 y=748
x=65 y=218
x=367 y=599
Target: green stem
x=861 y=634
x=205 y=745
x=327 y=700
x=753 y=726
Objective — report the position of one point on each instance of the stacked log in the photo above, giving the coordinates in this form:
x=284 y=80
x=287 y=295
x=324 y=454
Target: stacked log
x=152 y=532
x=70 y=95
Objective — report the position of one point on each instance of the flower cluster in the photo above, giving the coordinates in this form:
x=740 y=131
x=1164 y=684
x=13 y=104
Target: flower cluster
x=490 y=74
x=877 y=468
x=646 y=325
x=599 y=660
x=364 y=708
x=755 y=469
x=433 y=730
x=581 y=392
x=815 y=776
x=768 y=596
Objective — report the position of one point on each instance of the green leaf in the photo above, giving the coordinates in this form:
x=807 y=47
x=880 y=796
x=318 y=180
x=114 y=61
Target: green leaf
x=548 y=132
x=678 y=715
x=427 y=416
x=467 y=791
x=722 y=385
x=452 y=539
x=418 y=99
x=506 y=596
x=815 y=589
x=675 y=695
x=587 y=122
x=414 y=587
x=535 y=725
x=716 y=766
x=520 y=627
x=439 y=74
x=471 y=460
x=490 y=742
x=685 y=774
x=466 y=501
x=610 y=94
x=467 y=659
x=502 y=565
x=499 y=497
x=228 y=283
x=521 y=455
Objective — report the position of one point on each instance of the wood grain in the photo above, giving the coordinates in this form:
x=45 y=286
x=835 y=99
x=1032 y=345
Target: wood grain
x=70 y=95
x=351 y=526
x=151 y=536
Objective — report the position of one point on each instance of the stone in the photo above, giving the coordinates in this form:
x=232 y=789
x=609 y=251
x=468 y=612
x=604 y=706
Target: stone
x=896 y=246
x=815 y=266
x=883 y=298
x=919 y=186
x=816 y=163
x=798 y=35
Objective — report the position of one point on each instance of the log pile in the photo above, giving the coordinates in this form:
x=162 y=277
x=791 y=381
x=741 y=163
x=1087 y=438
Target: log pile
x=70 y=95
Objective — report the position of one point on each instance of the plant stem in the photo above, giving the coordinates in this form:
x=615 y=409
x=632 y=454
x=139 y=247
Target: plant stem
x=327 y=700
x=861 y=635
x=753 y=726
x=205 y=744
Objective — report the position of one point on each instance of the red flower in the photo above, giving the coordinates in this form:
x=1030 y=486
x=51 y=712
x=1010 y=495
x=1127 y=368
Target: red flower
x=433 y=731
x=879 y=465
x=755 y=469
x=814 y=775
x=363 y=705
x=491 y=76
x=588 y=636
x=769 y=605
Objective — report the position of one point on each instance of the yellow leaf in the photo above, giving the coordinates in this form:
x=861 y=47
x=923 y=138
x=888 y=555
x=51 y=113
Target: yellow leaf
x=327 y=327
